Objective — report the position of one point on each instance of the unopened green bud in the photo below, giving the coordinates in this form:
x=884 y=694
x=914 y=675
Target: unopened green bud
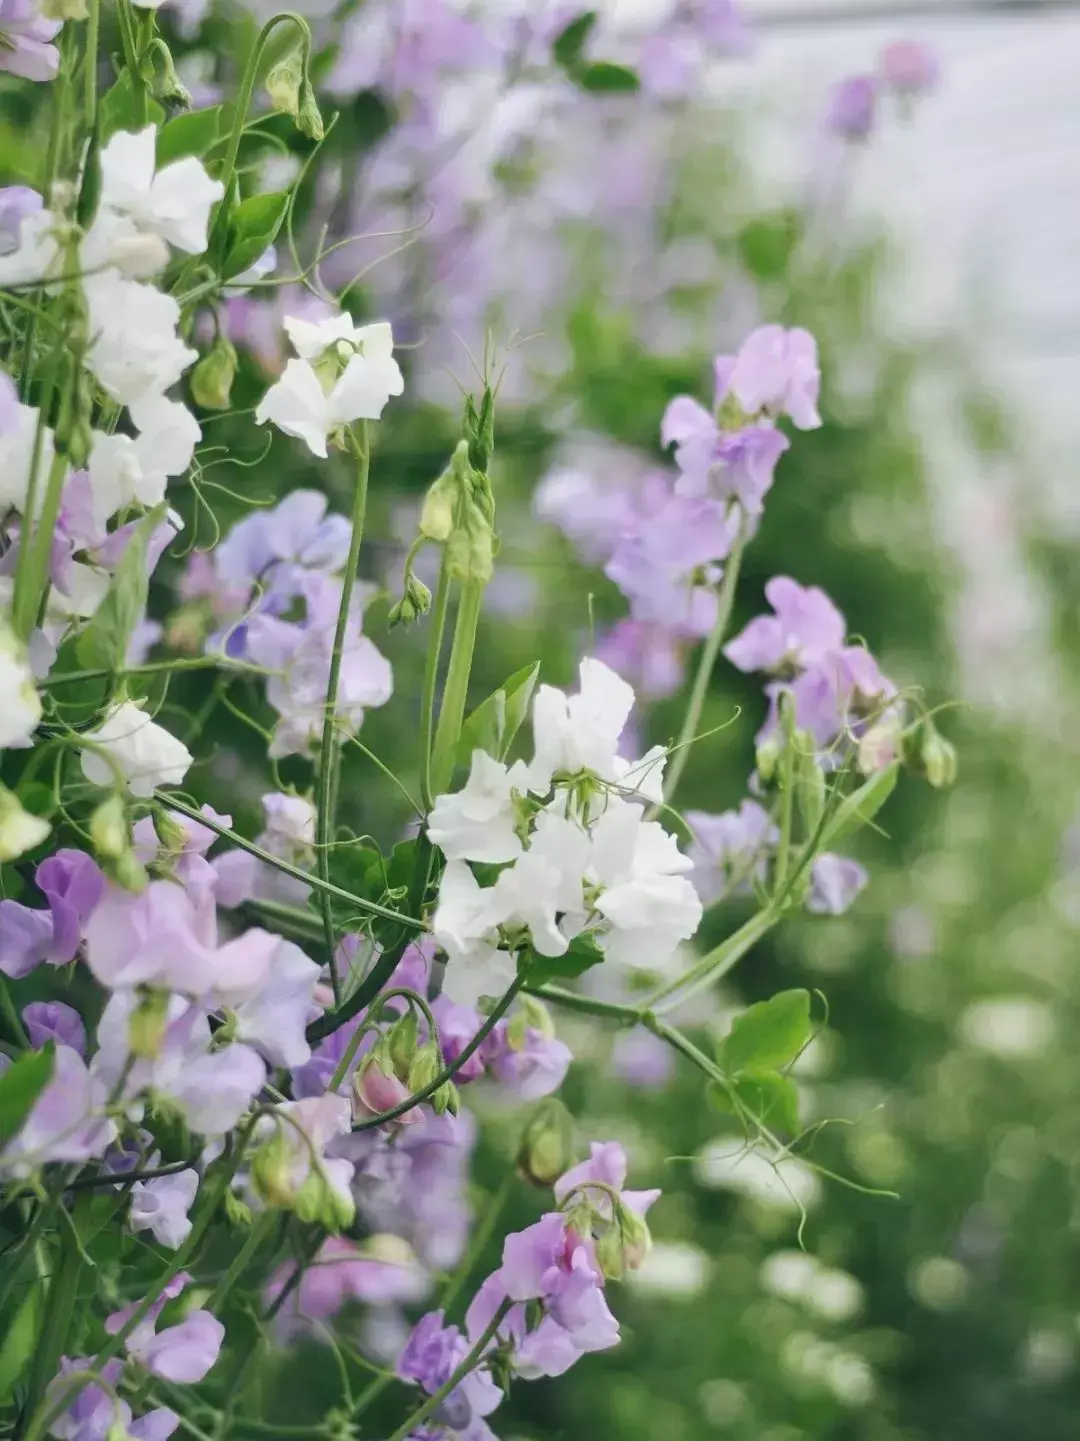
x=129 y=873
x=440 y=504
x=170 y=832
x=173 y=91
x=20 y=831
x=271 y=1172
x=929 y=754
x=531 y=1015
x=479 y=429
x=319 y=1203
x=146 y=1028
x=212 y=379
x=237 y=1210
x=636 y=1236
x=768 y=756
x=426 y=1065
x=284 y=81
x=109 y=829
x=413 y=604
x=547 y=1145
x=309 y=121
x=610 y=1254
x=401 y=1044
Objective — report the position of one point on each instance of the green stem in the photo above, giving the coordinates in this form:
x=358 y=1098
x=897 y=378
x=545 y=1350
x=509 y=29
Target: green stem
x=93 y=28
x=787 y=797
x=478 y=1244
x=371 y=1394
x=38 y=545
x=471 y=1361
x=431 y=677
x=260 y=1228
x=571 y=1001
x=452 y=710
x=39 y=1424
x=11 y=1015
x=59 y=1308
x=329 y=754
x=243 y=105
x=316 y=882
x=706 y=664
x=178 y=663
x=126 y=22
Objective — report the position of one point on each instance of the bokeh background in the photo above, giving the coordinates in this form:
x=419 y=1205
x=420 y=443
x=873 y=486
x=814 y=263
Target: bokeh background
x=612 y=244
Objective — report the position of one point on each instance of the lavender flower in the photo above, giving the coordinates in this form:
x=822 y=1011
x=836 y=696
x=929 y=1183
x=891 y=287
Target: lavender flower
x=26 y=37
x=729 y=850
x=72 y=885
x=835 y=883
x=852 y=108
x=54 y=1021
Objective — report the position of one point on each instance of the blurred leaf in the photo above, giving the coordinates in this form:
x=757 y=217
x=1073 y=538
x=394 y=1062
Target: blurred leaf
x=117 y=109
x=769 y=1097
x=583 y=954
x=859 y=808
x=19 y=1343
x=603 y=75
x=570 y=42
x=495 y=722
x=20 y=1085
x=191 y=134
x=253 y=226
x=769 y=1034
x=103 y=644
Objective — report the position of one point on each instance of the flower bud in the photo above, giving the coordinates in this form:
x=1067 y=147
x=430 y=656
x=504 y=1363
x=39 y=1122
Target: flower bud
x=413 y=604
x=283 y=82
x=319 y=1203
x=309 y=121
x=610 y=1254
x=479 y=429
x=547 y=1145
x=440 y=504
x=768 y=757
x=149 y=1020
x=426 y=1065
x=174 y=93
x=271 y=1172
x=377 y=1089
x=877 y=749
x=20 y=831
x=237 y=1211
x=531 y=1015
x=929 y=754
x=109 y=829
x=401 y=1043
x=170 y=832
x=636 y=1237
x=213 y=376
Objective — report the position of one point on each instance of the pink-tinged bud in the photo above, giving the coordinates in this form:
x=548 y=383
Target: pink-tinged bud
x=376 y=1090
x=909 y=68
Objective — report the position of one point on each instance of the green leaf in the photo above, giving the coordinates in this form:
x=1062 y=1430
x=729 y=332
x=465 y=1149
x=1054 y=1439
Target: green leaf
x=583 y=954
x=496 y=721
x=604 y=76
x=859 y=808
x=253 y=225
x=768 y=1035
x=191 y=134
x=19 y=1342
x=117 y=109
x=570 y=42
x=772 y=1099
x=20 y=1086
x=103 y=644
x=809 y=790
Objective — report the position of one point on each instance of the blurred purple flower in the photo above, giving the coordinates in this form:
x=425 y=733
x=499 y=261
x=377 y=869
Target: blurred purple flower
x=804 y=628
x=73 y=885
x=54 y=1021
x=642 y=1060
x=659 y=566
x=835 y=882
x=26 y=37
x=852 y=109
x=729 y=849
x=161 y=1207
x=909 y=68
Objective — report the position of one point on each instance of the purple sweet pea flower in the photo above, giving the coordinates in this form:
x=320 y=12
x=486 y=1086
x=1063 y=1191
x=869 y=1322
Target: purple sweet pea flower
x=658 y=566
x=731 y=848
x=648 y=656
x=457 y=1026
x=73 y=886
x=26 y=37
x=805 y=628
x=535 y=1069
x=642 y=1060
x=16 y=203
x=383 y=1272
x=607 y=1163
x=835 y=695
x=156 y=1425
x=183 y=1353
x=835 y=882
x=54 y=1021
x=431 y=1355
x=775 y=372
x=92 y=1411
x=161 y=1207
x=67 y=1122
x=852 y=107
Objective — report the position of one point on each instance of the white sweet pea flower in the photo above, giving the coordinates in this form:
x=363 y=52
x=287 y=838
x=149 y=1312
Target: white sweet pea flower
x=582 y=732
x=145 y=754
x=476 y=967
x=16 y=454
x=19 y=830
x=174 y=203
x=21 y=709
x=134 y=351
x=123 y=470
x=545 y=882
x=114 y=239
x=477 y=823
x=353 y=377
x=650 y=904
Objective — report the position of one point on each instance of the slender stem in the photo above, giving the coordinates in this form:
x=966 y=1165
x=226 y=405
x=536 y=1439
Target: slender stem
x=93 y=28
x=372 y=907
x=471 y=1361
x=240 y=1262
x=478 y=1244
x=706 y=663
x=178 y=663
x=329 y=752
x=11 y=1015
x=371 y=1393
x=448 y=1074
x=452 y=710
x=571 y=1001
x=126 y=22
x=59 y=1308
x=38 y=545
x=719 y=961
x=128 y=1178
x=431 y=677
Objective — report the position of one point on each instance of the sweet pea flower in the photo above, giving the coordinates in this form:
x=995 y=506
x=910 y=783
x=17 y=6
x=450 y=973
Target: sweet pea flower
x=835 y=883
x=432 y=1354
x=72 y=885
x=173 y=203
x=54 y=1021
x=852 y=109
x=909 y=68
x=776 y=372
x=730 y=849
x=144 y=753
x=478 y=822
x=383 y=1271
x=16 y=203
x=535 y=1068
x=161 y=1207
x=122 y=470
x=464 y=928
x=607 y=1164
x=804 y=629
x=67 y=1122
x=659 y=565
x=22 y=707
x=135 y=351
x=183 y=1353
x=93 y=1413
x=353 y=376
x=272 y=1012
x=26 y=37
x=289 y=835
